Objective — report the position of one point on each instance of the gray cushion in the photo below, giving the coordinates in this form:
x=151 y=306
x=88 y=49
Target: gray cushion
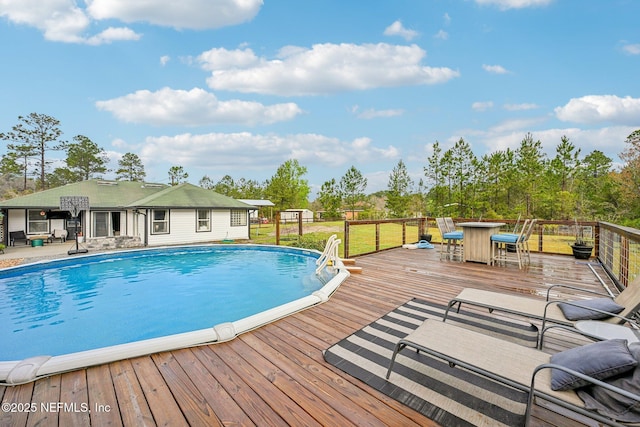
x=611 y=404
x=599 y=360
x=571 y=312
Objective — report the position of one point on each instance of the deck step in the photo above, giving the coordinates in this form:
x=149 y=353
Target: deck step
x=348 y=261
x=354 y=270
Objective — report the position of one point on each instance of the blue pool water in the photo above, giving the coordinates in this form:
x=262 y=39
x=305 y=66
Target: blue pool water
x=97 y=301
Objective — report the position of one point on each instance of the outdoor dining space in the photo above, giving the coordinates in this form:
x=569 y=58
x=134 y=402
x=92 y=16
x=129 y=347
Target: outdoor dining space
x=485 y=241
x=279 y=375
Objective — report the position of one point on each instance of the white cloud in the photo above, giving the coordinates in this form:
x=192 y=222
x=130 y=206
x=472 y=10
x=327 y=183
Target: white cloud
x=374 y=114
x=59 y=20
x=609 y=140
x=324 y=68
x=494 y=69
x=482 y=106
x=447 y=19
x=600 y=108
x=65 y=21
x=520 y=107
x=228 y=151
x=164 y=60
x=193 y=108
x=397 y=29
x=510 y=133
x=631 y=49
x=220 y=58
x=513 y=4
x=193 y=14
x=515 y=125
x=442 y=35
x=113 y=34
x=119 y=143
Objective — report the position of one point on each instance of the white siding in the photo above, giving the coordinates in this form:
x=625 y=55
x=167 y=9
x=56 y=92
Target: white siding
x=18 y=221
x=182 y=229
x=291 y=215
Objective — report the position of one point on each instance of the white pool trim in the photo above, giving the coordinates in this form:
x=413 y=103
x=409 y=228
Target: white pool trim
x=23 y=371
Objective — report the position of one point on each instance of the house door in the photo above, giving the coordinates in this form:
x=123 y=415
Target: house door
x=106 y=224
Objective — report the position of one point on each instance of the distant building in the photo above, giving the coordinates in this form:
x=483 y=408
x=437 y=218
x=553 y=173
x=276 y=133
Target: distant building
x=352 y=215
x=291 y=215
x=260 y=212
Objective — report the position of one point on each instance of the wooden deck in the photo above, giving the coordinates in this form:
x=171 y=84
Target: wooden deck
x=276 y=375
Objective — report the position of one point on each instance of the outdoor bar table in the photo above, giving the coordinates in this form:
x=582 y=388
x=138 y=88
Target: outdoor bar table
x=477 y=240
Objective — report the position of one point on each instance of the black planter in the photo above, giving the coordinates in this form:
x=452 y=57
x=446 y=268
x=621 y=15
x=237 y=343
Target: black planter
x=582 y=251
x=426 y=237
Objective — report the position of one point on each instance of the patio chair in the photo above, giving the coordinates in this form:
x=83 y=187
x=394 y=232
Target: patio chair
x=18 y=236
x=525 y=242
x=560 y=379
x=502 y=242
x=60 y=234
x=449 y=236
x=618 y=310
x=451 y=226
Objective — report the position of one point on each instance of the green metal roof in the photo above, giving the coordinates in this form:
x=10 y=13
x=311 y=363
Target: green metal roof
x=126 y=194
x=188 y=196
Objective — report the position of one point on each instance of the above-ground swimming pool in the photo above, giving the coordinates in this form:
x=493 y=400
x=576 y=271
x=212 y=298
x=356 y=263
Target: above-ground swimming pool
x=82 y=311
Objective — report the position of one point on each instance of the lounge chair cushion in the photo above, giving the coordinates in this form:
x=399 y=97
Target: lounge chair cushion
x=610 y=404
x=599 y=360
x=572 y=312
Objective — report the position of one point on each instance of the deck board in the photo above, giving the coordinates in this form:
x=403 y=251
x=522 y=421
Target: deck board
x=47 y=390
x=188 y=395
x=276 y=375
x=102 y=397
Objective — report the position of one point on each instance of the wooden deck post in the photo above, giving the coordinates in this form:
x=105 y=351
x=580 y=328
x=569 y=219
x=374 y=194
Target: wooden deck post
x=346 y=239
x=278 y=228
x=404 y=232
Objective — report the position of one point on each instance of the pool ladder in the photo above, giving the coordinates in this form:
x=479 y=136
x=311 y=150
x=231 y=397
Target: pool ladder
x=330 y=254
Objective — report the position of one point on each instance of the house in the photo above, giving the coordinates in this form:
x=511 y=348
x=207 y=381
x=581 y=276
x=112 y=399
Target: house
x=127 y=214
x=352 y=215
x=291 y=215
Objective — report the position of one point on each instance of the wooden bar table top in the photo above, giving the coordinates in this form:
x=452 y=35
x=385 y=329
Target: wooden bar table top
x=477 y=240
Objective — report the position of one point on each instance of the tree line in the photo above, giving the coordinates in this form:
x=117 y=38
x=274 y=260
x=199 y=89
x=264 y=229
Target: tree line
x=502 y=184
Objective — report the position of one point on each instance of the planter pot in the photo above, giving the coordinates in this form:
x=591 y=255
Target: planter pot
x=582 y=251
x=426 y=237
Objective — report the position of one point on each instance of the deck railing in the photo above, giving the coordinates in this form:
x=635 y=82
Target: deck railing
x=616 y=247
x=619 y=251
x=364 y=237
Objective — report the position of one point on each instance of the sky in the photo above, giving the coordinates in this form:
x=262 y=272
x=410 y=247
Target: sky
x=238 y=87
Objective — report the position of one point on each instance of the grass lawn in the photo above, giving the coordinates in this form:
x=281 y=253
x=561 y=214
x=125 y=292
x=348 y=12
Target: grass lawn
x=362 y=238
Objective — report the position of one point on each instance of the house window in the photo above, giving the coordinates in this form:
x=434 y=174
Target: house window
x=238 y=217
x=203 y=218
x=160 y=221
x=37 y=223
